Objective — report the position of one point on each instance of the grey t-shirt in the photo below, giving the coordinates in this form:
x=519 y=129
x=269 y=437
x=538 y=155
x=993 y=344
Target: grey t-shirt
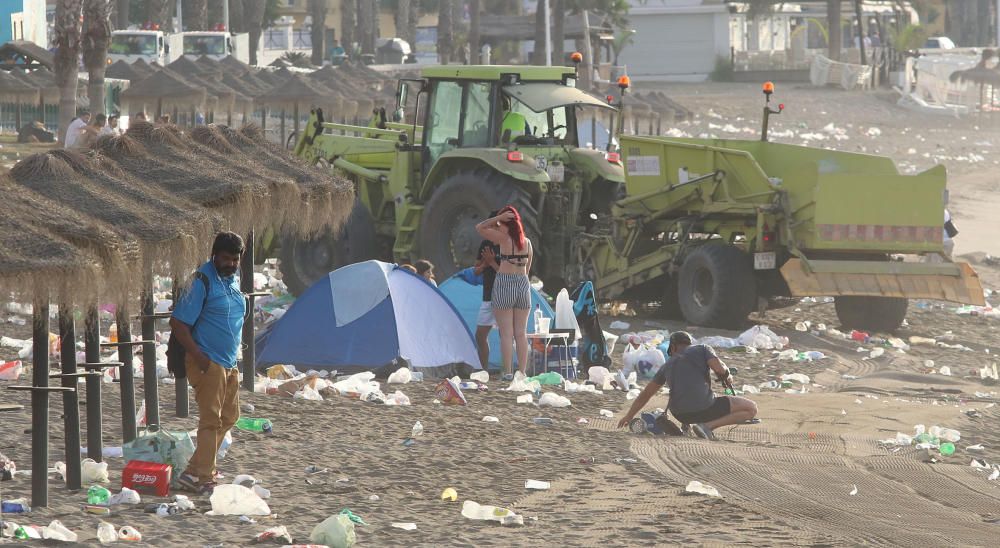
x=689 y=382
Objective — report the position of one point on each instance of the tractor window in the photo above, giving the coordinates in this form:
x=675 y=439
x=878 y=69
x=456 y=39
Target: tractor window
x=443 y=119
x=550 y=124
x=475 y=130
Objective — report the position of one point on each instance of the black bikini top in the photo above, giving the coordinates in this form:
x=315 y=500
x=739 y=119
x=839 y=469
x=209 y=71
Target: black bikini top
x=514 y=259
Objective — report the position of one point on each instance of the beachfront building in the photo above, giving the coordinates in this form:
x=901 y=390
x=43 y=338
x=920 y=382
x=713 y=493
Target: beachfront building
x=23 y=20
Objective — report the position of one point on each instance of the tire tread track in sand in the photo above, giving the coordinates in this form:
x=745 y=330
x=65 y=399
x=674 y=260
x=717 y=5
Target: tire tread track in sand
x=811 y=489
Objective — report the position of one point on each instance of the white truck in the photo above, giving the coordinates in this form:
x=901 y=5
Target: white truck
x=216 y=44
x=152 y=46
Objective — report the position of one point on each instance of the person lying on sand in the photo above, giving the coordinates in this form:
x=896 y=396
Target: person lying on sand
x=691 y=398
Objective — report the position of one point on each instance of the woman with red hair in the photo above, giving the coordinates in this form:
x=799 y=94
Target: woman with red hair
x=511 y=289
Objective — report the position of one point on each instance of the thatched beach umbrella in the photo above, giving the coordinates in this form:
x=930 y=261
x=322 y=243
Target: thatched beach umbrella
x=165 y=89
x=124 y=71
x=294 y=92
x=142 y=67
x=234 y=66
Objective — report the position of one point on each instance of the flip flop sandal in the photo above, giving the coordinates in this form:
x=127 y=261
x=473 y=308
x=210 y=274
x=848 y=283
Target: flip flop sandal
x=207 y=488
x=188 y=483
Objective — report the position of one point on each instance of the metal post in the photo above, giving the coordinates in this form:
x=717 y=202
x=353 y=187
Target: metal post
x=588 y=54
x=180 y=19
x=548 y=33
x=149 y=381
x=246 y=285
x=92 y=348
x=71 y=400
x=225 y=14
x=40 y=401
x=861 y=30
x=181 y=408
x=126 y=376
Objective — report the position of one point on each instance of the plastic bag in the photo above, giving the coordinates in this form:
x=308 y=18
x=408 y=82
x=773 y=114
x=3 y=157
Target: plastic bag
x=236 y=500
x=400 y=376
x=359 y=383
x=308 y=393
x=397 y=398
x=553 y=400
x=57 y=531
x=93 y=472
x=522 y=384
x=173 y=448
x=480 y=376
x=336 y=531
x=648 y=362
x=601 y=376
x=565 y=316
x=11 y=371
x=762 y=338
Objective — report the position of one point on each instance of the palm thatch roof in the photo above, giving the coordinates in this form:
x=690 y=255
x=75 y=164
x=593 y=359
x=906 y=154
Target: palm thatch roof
x=124 y=71
x=16 y=90
x=143 y=67
x=166 y=88
x=25 y=55
x=295 y=90
x=186 y=67
x=234 y=66
x=152 y=197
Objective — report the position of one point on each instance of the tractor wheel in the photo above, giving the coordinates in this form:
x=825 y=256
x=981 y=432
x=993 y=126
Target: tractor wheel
x=448 y=236
x=303 y=261
x=872 y=314
x=717 y=287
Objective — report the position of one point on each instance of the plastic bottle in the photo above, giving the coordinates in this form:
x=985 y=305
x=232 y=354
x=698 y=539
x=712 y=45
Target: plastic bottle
x=947 y=448
x=113 y=333
x=544 y=421
x=129 y=533
x=106 y=533
x=254 y=425
x=417 y=429
x=859 y=336
x=98 y=495
x=538 y=317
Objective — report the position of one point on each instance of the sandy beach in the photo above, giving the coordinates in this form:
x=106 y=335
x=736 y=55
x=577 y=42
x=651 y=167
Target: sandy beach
x=815 y=471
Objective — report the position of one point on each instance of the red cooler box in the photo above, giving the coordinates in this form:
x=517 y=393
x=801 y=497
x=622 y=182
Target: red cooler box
x=147 y=477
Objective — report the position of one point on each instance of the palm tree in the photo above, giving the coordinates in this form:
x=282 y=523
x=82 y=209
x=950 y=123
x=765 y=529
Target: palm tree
x=474 y=45
x=348 y=25
x=253 y=17
x=836 y=40
x=96 y=38
x=445 y=37
x=367 y=20
x=317 y=9
x=67 y=59
x=236 y=22
x=538 y=56
x=416 y=8
x=196 y=15
x=402 y=20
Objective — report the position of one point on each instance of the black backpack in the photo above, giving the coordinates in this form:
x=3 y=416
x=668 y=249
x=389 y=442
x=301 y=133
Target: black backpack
x=175 y=350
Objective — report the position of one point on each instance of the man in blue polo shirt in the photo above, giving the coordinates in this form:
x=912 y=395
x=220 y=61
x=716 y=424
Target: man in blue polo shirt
x=207 y=321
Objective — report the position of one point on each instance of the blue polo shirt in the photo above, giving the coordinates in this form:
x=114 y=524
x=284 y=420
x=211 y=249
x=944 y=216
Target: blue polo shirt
x=218 y=325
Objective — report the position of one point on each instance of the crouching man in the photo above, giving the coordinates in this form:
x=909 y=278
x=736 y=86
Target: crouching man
x=691 y=401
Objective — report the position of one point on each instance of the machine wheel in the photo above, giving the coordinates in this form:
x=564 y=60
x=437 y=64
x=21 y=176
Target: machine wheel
x=872 y=314
x=448 y=236
x=303 y=261
x=717 y=287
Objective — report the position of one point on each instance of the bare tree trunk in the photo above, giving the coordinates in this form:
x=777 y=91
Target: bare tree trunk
x=253 y=15
x=411 y=24
x=367 y=13
x=96 y=38
x=67 y=58
x=121 y=8
x=236 y=19
x=317 y=9
x=195 y=15
x=402 y=20
x=835 y=42
x=348 y=25
x=474 y=45
x=558 y=31
x=445 y=37
x=538 y=56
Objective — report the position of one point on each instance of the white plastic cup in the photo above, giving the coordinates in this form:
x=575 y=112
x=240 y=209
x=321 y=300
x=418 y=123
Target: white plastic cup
x=543 y=325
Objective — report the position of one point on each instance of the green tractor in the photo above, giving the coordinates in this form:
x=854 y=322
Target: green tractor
x=713 y=229
x=488 y=136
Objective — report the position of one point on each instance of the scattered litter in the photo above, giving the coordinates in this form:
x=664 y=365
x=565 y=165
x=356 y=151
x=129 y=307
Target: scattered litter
x=854 y=490
x=975 y=448
x=551 y=399
x=449 y=494
x=535 y=484
x=11 y=371
x=235 y=500
x=490 y=418
x=400 y=376
x=619 y=325
x=480 y=376
x=944 y=370
x=626 y=460
x=475 y=511
x=275 y=535
x=795 y=377
x=632 y=394
x=449 y=393
x=525 y=398
x=404 y=526
x=582 y=420
x=994 y=475
x=700 y=488
x=606 y=413
x=336 y=531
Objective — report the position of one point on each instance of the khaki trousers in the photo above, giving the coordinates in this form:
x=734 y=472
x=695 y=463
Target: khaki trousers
x=217 y=393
